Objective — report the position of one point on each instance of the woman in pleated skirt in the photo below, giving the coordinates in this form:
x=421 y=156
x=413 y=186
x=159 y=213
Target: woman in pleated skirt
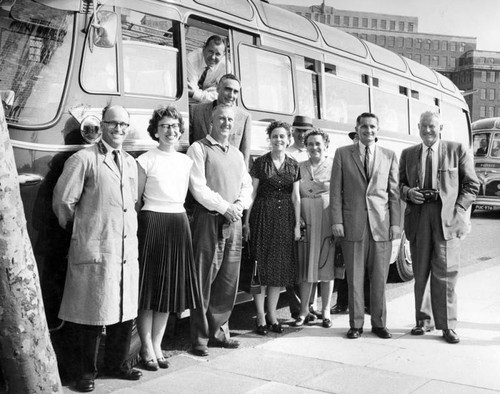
x=167 y=281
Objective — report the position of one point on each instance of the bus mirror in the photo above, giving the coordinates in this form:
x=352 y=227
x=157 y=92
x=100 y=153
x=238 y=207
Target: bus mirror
x=90 y=129
x=105 y=29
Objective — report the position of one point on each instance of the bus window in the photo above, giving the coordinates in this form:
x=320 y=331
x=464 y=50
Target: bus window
x=150 y=57
x=307 y=87
x=390 y=104
x=266 y=80
x=35 y=46
x=420 y=102
x=455 y=124
x=197 y=34
x=346 y=95
x=481 y=143
x=495 y=146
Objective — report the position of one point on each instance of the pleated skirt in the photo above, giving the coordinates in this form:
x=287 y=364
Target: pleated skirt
x=167 y=278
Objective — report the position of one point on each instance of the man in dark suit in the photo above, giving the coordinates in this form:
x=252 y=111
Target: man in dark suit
x=439 y=184
x=364 y=198
x=200 y=116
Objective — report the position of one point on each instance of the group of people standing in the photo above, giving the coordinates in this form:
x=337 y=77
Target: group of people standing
x=123 y=265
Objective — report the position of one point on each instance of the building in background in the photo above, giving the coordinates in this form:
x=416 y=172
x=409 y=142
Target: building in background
x=476 y=73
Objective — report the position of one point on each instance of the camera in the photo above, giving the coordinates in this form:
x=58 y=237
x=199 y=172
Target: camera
x=430 y=195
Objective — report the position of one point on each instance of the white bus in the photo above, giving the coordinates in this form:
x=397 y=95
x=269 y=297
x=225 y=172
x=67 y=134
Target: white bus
x=62 y=61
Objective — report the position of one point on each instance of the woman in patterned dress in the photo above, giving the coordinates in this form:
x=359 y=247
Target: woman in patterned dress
x=167 y=276
x=315 y=211
x=273 y=222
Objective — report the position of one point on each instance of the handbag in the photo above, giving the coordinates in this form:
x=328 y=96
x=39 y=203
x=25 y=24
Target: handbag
x=249 y=272
x=338 y=262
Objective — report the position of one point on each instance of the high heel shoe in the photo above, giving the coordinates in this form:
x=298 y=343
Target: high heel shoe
x=276 y=327
x=261 y=330
x=163 y=363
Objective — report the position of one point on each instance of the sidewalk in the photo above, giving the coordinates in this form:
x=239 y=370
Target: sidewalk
x=317 y=360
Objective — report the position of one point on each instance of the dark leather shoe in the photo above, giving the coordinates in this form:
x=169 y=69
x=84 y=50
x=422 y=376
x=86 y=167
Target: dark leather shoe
x=150 y=365
x=420 y=329
x=163 y=363
x=382 y=332
x=327 y=323
x=200 y=352
x=315 y=313
x=336 y=309
x=354 y=333
x=262 y=330
x=450 y=336
x=227 y=344
x=276 y=327
x=85 y=385
x=125 y=374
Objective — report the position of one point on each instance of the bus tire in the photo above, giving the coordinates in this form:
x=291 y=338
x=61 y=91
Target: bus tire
x=403 y=260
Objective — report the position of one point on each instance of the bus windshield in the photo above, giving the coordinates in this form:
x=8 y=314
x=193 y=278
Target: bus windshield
x=35 y=45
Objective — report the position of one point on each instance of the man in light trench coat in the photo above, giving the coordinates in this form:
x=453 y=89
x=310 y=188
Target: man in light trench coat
x=94 y=198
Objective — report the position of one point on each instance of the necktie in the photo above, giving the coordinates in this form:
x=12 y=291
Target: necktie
x=203 y=76
x=367 y=162
x=116 y=158
x=428 y=170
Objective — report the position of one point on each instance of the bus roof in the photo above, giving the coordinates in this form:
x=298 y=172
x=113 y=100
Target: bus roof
x=486 y=124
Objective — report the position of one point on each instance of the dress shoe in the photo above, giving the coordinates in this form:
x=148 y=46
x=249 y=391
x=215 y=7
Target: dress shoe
x=336 y=309
x=327 y=323
x=382 y=332
x=199 y=351
x=150 y=365
x=276 y=327
x=125 y=374
x=163 y=363
x=261 y=330
x=420 y=329
x=450 y=336
x=354 y=333
x=310 y=317
x=299 y=322
x=85 y=385
x=227 y=344
x=315 y=312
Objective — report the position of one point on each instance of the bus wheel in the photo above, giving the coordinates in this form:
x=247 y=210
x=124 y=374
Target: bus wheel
x=403 y=261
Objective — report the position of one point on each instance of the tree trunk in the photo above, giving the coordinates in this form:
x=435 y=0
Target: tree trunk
x=27 y=359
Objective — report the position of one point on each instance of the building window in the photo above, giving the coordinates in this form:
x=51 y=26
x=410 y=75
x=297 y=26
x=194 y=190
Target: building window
x=492 y=94
x=346 y=21
x=308 y=15
x=411 y=27
x=374 y=23
x=392 y=25
x=322 y=18
x=365 y=22
x=482 y=93
x=401 y=26
x=482 y=112
x=491 y=112
x=492 y=76
x=435 y=61
x=462 y=47
x=418 y=43
x=453 y=46
x=435 y=45
x=316 y=17
x=336 y=19
x=355 y=21
x=498 y=111
x=381 y=40
x=399 y=42
x=390 y=42
x=427 y=45
x=328 y=19
x=444 y=61
x=408 y=42
x=483 y=76
x=427 y=60
x=453 y=62
x=383 y=24
x=444 y=45
x=418 y=58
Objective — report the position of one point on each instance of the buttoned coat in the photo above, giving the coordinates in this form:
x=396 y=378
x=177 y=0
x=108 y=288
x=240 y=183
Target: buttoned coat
x=355 y=202
x=200 y=119
x=457 y=185
x=103 y=274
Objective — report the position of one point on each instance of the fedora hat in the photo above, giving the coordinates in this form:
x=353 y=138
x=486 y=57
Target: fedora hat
x=302 y=122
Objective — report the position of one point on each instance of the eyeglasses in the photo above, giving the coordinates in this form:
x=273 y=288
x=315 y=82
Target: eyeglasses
x=173 y=126
x=114 y=124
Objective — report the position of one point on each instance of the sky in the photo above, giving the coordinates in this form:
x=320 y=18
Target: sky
x=471 y=18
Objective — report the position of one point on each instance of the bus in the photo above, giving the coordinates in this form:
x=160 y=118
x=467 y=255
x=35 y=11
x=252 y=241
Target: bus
x=62 y=61
x=486 y=147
